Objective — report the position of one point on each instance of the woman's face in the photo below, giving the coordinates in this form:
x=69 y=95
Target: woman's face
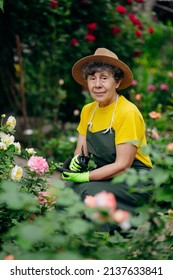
x=102 y=87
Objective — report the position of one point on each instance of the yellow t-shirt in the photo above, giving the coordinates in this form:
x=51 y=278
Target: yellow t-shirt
x=128 y=124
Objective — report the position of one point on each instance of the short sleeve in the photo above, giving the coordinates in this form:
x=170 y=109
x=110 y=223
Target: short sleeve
x=82 y=127
x=130 y=128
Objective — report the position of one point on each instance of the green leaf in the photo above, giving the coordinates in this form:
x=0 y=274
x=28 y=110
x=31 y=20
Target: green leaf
x=2 y=5
x=160 y=176
x=15 y=199
x=78 y=226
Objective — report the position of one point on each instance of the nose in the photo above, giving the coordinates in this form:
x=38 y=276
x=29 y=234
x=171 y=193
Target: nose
x=97 y=82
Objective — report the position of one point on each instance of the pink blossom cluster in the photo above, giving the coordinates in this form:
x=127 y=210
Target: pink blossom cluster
x=38 y=165
x=43 y=197
x=162 y=87
x=46 y=198
x=107 y=200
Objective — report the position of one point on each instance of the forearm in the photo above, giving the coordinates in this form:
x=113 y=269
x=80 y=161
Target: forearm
x=107 y=171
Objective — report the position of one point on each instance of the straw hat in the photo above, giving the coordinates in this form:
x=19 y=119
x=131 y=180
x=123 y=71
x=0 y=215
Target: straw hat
x=106 y=56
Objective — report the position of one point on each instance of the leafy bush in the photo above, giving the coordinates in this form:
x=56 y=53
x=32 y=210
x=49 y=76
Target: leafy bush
x=63 y=226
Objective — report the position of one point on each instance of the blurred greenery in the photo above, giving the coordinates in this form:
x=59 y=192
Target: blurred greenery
x=37 y=51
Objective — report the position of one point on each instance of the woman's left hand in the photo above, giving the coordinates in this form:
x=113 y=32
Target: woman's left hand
x=80 y=177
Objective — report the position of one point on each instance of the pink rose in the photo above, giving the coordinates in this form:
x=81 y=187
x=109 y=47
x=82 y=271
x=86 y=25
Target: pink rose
x=154 y=134
x=9 y=257
x=134 y=83
x=105 y=200
x=38 y=165
x=170 y=75
x=120 y=216
x=164 y=87
x=155 y=115
x=151 y=88
x=76 y=112
x=43 y=197
x=101 y=200
x=90 y=201
x=138 y=96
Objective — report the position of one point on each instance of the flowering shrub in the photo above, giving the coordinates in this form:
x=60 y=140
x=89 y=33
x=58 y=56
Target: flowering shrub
x=29 y=203
x=30 y=179
x=106 y=200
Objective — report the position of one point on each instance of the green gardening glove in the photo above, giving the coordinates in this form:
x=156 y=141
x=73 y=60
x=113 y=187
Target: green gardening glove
x=76 y=177
x=79 y=163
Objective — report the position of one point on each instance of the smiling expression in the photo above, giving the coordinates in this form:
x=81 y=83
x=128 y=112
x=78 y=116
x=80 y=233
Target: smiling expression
x=102 y=87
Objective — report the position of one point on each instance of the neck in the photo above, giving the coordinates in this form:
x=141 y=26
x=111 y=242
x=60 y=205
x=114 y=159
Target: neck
x=108 y=102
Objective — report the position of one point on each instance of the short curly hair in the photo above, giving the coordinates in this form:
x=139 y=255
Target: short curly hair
x=91 y=68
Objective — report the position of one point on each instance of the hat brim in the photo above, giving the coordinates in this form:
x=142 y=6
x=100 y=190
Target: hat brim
x=77 y=70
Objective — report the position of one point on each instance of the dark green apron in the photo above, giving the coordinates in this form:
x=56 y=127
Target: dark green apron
x=101 y=145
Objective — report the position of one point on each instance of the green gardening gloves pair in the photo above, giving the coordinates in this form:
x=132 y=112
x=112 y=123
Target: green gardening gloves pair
x=75 y=169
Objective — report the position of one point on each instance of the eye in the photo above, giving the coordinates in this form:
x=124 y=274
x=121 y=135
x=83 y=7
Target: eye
x=91 y=78
x=104 y=77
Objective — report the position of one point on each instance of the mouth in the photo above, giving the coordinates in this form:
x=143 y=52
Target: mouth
x=98 y=93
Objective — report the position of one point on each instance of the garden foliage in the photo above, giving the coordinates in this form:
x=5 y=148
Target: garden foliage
x=44 y=219
x=38 y=49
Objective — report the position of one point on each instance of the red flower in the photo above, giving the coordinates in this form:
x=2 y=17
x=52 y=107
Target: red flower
x=92 y=26
x=135 y=20
x=53 y=4
x=136 y=53
x=138 y=33
x=116 y=30
x=121 y=10
x=74 y=42
x=129 y=2
x=90 y=37
x=139 y=1
x=150 y=30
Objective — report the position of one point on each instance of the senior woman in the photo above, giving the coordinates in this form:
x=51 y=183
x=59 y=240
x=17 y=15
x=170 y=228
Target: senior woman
x=111 y=129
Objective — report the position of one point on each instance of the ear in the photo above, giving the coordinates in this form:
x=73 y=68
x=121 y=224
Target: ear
x=118 y=83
